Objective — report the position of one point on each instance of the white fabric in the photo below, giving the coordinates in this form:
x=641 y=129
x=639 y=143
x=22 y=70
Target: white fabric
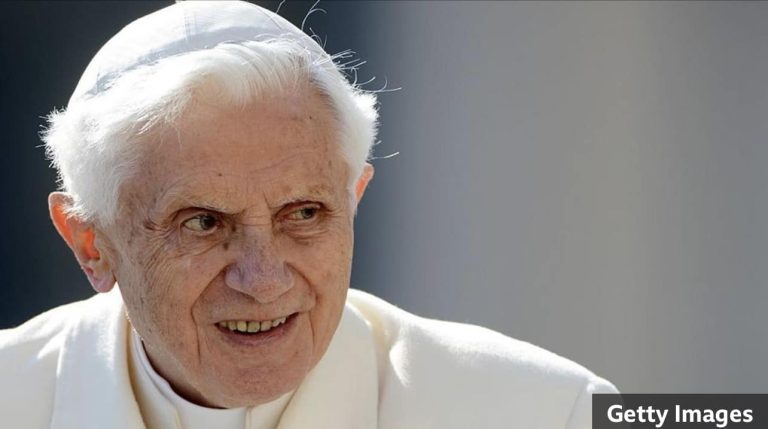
x=385 y=368
x=163 y=408
x=184 y=27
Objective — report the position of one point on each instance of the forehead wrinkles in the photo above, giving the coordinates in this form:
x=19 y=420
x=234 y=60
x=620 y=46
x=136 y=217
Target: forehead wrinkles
x=233 y=191
x=203 y=188
x=226 y=157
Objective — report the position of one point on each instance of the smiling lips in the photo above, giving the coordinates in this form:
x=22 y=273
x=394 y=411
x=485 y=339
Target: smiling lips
x=251 y=326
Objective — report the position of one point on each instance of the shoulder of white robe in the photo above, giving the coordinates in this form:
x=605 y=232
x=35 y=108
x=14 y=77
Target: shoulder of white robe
x=93 y=386
x=435 y=373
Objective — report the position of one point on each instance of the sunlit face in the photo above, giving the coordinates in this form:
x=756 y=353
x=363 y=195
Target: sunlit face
x=238 y=217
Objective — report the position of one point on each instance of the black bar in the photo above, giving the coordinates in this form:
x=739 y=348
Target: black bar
x=679 y=411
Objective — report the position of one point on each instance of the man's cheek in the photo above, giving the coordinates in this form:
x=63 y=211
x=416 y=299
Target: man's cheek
x=329 y=249
x=201 y=269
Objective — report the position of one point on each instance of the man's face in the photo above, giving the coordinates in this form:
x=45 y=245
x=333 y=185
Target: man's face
x=237 y=217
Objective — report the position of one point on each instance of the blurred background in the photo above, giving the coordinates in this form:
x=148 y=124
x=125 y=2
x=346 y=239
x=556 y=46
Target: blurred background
x=589 y=177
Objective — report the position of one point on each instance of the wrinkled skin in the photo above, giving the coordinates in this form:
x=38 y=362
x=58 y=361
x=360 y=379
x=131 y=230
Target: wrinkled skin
x=236 y=214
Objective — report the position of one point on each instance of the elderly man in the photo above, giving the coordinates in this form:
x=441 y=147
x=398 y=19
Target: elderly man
x=212 y=157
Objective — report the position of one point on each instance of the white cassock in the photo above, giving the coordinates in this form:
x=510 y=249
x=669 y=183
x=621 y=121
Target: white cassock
x=385 y=368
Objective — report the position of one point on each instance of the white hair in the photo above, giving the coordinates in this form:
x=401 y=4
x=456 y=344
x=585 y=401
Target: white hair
x=95 y=144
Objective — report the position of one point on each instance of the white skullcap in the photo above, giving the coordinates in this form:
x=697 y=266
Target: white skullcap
x=183 y=27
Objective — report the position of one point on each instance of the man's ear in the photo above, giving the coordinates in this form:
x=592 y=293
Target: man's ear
x=362 y=181
x=80 y=237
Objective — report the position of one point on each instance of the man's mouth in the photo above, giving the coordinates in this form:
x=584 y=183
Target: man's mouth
x=251 y=326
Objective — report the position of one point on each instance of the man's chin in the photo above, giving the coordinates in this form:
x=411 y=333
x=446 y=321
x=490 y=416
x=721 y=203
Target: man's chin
x=242 y=387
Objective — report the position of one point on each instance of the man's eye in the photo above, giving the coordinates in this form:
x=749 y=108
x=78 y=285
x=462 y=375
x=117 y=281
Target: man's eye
x=201 y=223
x=304 y=213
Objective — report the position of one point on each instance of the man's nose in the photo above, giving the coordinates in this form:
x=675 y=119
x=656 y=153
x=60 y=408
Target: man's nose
x=260 y=272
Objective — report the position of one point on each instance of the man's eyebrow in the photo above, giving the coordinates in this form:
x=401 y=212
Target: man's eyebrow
x=184 y=196
x=177 y=199
x=319 y=193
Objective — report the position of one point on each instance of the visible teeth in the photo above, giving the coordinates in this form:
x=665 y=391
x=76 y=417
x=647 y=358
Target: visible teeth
x=251 y=327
